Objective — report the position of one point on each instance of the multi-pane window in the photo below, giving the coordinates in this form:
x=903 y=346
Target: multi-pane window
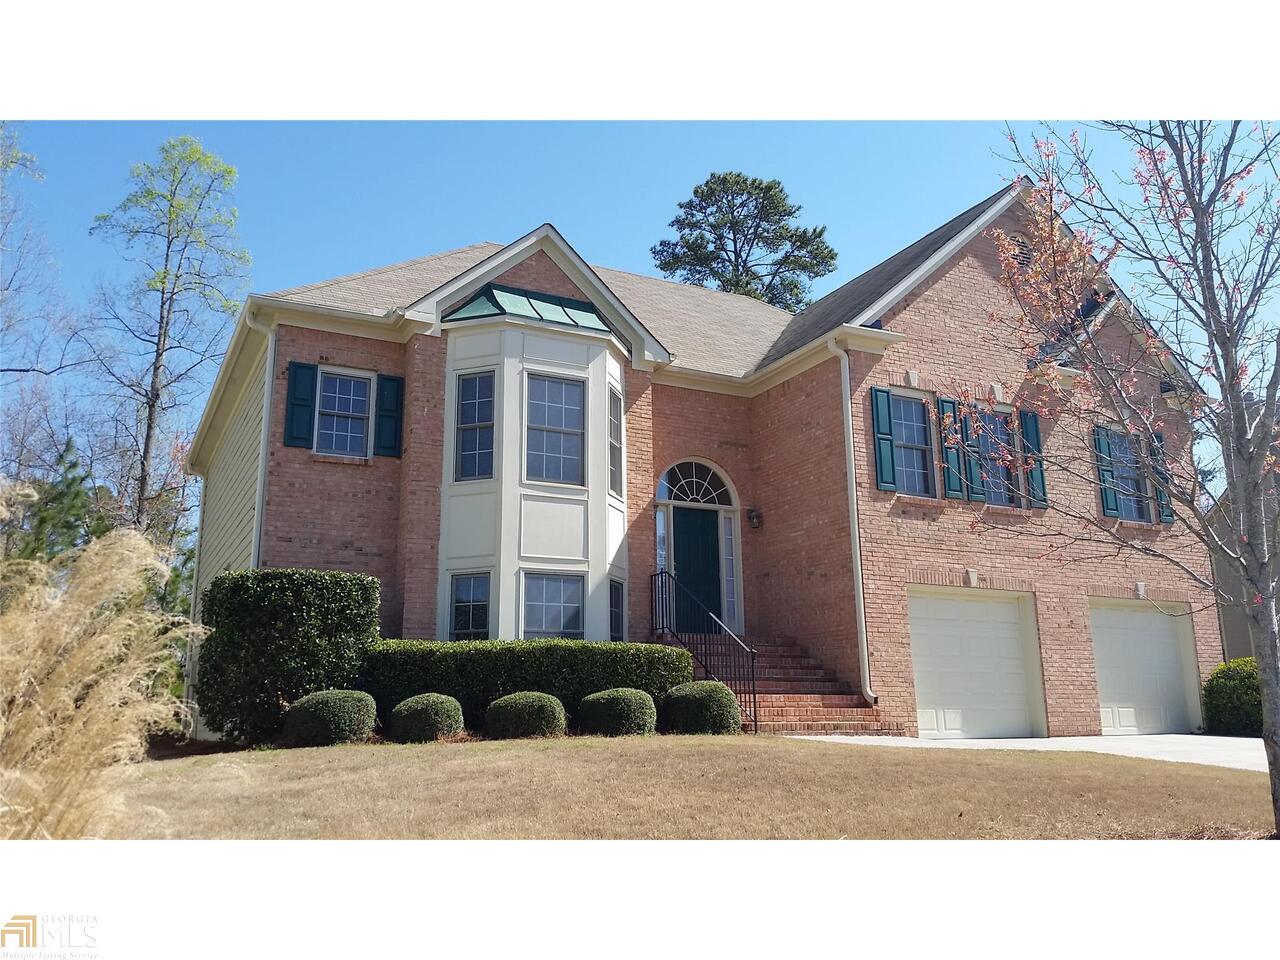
x=730 y=570
x=1130 y=485
x=996 y=454
x=555 y=430
x=470 y=607
x=552 y=605
x=913 y=456
x=342 y=426
x=615 y=442
x=474 y=440
x=617 y=594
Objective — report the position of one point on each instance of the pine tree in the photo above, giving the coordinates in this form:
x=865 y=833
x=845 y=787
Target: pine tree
x=63 y=517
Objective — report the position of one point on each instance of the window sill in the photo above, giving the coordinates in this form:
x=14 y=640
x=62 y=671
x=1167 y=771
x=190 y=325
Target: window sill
x=554 y=486
x=1009 y=509
x=1139 y=524
x=472 y=483
x=918 y=499
x=339 y=458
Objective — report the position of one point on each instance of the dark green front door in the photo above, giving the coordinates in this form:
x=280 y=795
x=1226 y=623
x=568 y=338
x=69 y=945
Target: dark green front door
x=696 y=554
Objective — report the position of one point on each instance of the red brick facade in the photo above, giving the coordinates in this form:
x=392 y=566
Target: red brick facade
x=908 y=540
x=783 y=452
x=337 y=513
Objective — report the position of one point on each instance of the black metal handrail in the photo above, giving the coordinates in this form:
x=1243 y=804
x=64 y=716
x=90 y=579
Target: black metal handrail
x=681 y=616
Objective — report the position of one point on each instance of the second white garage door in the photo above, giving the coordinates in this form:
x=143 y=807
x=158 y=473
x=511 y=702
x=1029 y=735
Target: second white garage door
x=971 y=655
x=1140 y=655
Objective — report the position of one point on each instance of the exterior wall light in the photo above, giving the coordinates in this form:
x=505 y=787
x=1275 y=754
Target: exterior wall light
x=755 y=518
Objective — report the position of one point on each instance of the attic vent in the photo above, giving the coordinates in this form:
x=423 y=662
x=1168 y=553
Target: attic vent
x=1021 y=249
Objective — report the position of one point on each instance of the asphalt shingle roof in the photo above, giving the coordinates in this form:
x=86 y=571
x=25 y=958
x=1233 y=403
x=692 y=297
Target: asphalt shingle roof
x=846 y=302
x=707 y=330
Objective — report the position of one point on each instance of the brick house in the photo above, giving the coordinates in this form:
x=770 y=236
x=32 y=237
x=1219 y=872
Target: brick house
x=519 y=444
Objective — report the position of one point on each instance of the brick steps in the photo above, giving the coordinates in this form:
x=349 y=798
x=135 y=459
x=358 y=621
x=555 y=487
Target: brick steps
x=851 y=700
x=797 y=694
x=816 y=727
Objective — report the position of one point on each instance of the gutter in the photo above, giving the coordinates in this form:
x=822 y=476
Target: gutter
x=855 y=541
x=264 y=447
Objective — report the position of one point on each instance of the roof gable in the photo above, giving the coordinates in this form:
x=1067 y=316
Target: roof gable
x=546 y=240
x=875 y=289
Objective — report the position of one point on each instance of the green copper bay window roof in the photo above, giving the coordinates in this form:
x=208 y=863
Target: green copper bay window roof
x=495 y=300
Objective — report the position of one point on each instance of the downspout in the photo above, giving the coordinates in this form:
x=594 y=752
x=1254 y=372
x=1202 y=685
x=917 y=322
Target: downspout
x=269 y=330
x=855 y=540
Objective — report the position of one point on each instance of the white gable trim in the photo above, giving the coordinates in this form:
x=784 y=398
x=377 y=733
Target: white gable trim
x=945 y=253
x=647 y=350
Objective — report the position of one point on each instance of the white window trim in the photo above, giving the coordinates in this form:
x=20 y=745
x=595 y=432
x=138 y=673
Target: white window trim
x=1148 y=495
x=1021 y=497
x=622 y=581
x=453 y=411
x=524 y=431
x=610 y=392
x=524 y=573
x=930 y=401
x=471 y=572
x=372 y=377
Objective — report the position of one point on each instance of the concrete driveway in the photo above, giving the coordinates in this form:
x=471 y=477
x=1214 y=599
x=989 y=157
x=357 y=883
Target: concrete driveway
x=1241 y=753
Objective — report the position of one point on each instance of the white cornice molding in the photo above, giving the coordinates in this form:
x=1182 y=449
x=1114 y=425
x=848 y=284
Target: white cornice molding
x=861 y=339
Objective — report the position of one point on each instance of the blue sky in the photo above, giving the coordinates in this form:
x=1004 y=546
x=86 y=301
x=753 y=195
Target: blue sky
x=318 y=200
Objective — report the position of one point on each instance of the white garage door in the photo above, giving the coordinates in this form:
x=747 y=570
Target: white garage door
x=1141 y=683
x=970 y=666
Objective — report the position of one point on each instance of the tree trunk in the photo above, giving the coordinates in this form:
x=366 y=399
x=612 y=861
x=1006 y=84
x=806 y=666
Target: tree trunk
x=1266 y=649
x=153 y=415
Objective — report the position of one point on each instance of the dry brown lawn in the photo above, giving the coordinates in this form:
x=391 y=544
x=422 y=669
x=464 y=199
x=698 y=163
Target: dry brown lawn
x=682 y=787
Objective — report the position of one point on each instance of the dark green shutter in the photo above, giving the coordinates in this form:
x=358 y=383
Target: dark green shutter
x=953 y=454
x=1162 y=479
x=972 y=462
x=882 y=427
x=300 y=405
x=1029 y=427
x=1106 y=476
x=390 y=417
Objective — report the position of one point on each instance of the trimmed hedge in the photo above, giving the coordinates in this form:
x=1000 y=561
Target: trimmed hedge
x=618 y=712
x=477 y=672
x=428 y=716
x=326 y=717
x=278 y=635
x=704 y=706
x=1233 y=699
x=525 y=714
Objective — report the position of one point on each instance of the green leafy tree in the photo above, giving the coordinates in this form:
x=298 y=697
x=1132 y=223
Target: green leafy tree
x=64 y=515
x=738 y=234
x=177 y=226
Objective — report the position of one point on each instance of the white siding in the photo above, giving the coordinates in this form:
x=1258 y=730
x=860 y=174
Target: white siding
x=231 y=489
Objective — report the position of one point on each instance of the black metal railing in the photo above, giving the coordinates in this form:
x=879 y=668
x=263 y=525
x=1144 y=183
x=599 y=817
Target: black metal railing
x=686 y=621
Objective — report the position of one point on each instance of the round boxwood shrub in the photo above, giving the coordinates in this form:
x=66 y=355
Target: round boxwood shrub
x=703 y=706
x=617 y=712
x=1233 y=699
x=327 y=717
x=428 y=716
x=525 y=714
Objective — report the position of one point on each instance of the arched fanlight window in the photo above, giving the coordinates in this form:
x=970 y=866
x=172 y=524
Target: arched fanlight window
x=691 y=482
